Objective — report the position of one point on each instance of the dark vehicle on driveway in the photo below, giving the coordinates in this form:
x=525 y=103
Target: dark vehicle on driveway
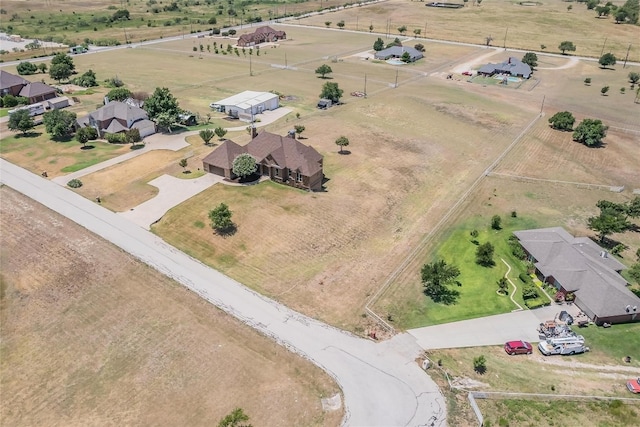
x=518 y=347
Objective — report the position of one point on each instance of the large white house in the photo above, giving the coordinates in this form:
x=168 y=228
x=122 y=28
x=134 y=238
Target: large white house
x=246 y=103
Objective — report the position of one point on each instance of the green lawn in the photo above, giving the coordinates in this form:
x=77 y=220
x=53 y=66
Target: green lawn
x=478 y=295
x=611 y=345
x=4 y=112
x=37 y=152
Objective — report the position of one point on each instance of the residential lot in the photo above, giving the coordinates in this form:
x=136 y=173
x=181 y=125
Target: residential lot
x=93 y=336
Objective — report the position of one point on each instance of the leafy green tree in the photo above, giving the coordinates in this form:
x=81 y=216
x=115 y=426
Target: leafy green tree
x=162 y=107
x=531 y=59
x=183 y=164
x=419 y=47
x=206 y=135
x=590 y=132
x=82 y=135
x=21 y=121
x=88 y=79
x=340 y=24
x=395 y=42
x=26 y=68
x=378 y=45
x=437 y=278
x=632 y=10
x=371 y=28
x=406 y=57
x=331 y=91
x=220 y=218
x=299 y=129
x=607 y=59
x=634 y=272
x=42 y=67
x=620 y=16
x=402 y=29
x=480 y=364
x=634 y=78
x=610 y=220
x=484 y=255
x=632 y=208
x=342 y=142
x=587 y=81
x=603 y=11
x=122 y=14
x=220 y=132
x=503 y=285
x=417 y=32
x=496 y=222
x=566 y=46
x=119 y=94
x=234 y=419
x=562 y=120
x=323 y=70
x=591 y=4
x=604 y=90
x=59 y=123
x=244 y=165
x=60 y=72
x=327 y=23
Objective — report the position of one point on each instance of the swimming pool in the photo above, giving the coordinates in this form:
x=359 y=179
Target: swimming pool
x=509 y=79
x=395 y=61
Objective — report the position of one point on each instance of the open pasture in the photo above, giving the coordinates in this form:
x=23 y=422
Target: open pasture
x=324 y=253
x=525 y=27
x=92 y=336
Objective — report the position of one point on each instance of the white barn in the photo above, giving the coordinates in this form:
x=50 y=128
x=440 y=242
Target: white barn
x=247 y=103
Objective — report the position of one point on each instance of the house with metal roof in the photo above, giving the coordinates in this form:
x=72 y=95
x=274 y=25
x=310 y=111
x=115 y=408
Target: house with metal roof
x=512 y=67
x=398 y=52
x=579 y=265
x=245 y=104
x=115 y=117
x=283 y=159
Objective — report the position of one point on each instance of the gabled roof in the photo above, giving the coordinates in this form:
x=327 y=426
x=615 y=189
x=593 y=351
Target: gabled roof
x=265 y=29
x=285 y=152
x=8 y=80
x=512 y=66
x=224 y=155
x=36 y=89
x=398 y=51
x=115 y=127
x=247 y=99
x=119 y=110
x=581 y=266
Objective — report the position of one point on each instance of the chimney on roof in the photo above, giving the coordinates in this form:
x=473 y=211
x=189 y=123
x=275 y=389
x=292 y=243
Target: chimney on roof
x=291 y=134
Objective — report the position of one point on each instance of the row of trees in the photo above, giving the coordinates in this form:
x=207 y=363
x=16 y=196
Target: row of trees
x=589 y=132
x=628 y=13
x=614 y=217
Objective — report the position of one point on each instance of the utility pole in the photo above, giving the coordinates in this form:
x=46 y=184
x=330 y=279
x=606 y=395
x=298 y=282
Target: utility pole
x=396 y=85
x=425 y=29
x=250 y=66
x=504 y=44
x=542 y=106
x=603 y=45
x=365 y=85
x=285 y=61
x=626 y=57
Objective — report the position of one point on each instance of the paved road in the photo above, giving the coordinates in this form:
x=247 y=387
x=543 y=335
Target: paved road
x=382 y=384
x=490 y=330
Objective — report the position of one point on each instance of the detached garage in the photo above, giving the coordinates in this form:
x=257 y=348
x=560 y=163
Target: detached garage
x=246 y=103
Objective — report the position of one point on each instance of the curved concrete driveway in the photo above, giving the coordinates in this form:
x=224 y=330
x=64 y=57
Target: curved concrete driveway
x=171 y=192
x=382 y=384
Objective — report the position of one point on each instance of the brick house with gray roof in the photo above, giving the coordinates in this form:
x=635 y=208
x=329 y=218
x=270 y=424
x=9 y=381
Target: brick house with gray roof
x=283 y=159
x=115 y=117
x=512 y=66
x=10 y=84
x=579 y=265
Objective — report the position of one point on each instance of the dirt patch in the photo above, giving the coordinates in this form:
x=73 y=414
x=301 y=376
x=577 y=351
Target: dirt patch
x=92 y=336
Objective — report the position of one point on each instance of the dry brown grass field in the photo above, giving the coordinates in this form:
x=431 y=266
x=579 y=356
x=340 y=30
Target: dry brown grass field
x=91 y=336
x=526 y=27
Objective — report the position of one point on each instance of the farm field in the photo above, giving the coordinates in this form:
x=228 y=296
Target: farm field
x=92 y=336
x=525 y=27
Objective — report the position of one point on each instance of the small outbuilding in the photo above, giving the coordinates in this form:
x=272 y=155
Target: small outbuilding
x=324 y=103
x=247 y=103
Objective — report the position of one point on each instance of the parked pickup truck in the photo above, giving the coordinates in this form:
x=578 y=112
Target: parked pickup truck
x=550 y=349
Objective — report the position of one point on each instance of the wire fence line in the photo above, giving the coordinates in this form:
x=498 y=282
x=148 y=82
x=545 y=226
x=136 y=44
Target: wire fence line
x=587 y=185
x=439 y=225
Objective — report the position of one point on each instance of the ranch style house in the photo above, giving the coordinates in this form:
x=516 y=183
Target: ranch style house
x=117 y=117
x=10 y=84
x=579 y=265
x=512 y=66
x=283 y=159
x=261 y=35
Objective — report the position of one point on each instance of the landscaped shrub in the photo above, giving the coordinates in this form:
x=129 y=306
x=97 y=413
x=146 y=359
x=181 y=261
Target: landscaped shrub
x=536 y=303
x=75 y=183
x=115 y=138
x=530 y=291
x=524 y=278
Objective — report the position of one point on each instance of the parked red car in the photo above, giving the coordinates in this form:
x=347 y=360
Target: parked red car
x=518 y=347
x=634 y=385
x=467 y=73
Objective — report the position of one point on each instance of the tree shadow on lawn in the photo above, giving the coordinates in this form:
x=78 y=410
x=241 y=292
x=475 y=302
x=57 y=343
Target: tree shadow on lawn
x=447 y=296
x=137 y=146
x=344 y=152
x=87 y=147
x=226 y=232
x=28 y=135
